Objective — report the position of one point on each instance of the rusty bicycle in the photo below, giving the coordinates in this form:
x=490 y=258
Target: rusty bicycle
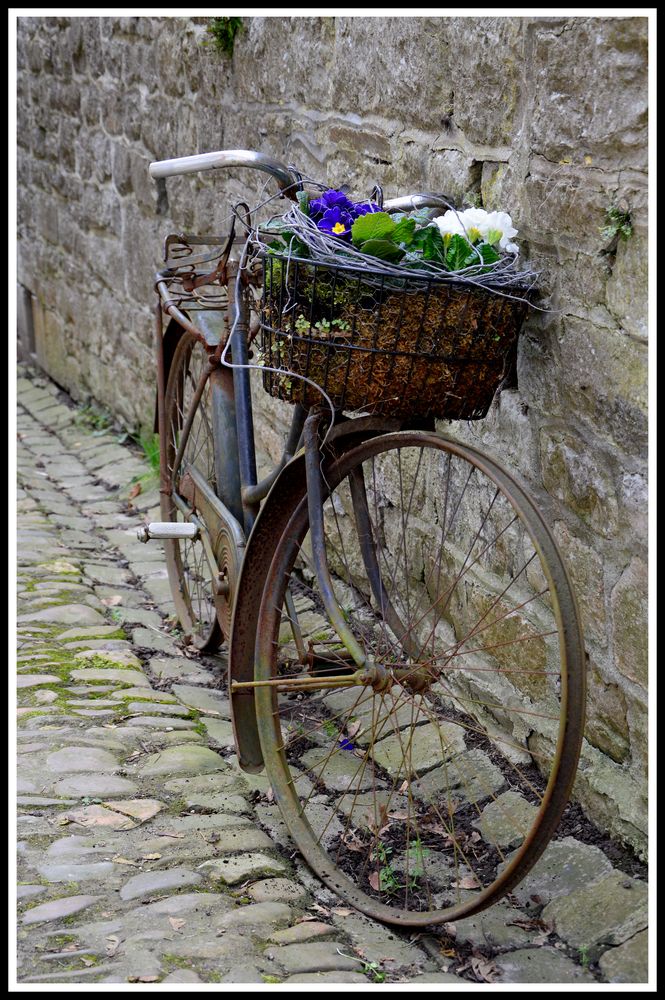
x=405 y=656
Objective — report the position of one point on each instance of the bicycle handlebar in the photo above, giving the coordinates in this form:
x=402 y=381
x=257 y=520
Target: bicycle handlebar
x=286 y=180
x=409 y=202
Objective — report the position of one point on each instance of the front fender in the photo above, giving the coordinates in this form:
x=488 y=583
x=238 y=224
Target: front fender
x=286 y=493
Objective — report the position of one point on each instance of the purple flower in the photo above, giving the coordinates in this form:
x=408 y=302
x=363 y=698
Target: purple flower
x=345 y=744
x=366 y=208
x=336 y=222
x=329 y=199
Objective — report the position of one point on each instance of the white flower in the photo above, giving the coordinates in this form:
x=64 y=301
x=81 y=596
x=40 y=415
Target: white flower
x=477 y=224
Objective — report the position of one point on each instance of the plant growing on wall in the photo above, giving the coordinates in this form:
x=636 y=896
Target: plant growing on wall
x=223 y=31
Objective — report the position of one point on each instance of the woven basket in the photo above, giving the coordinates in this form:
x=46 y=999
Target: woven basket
x=403 y=347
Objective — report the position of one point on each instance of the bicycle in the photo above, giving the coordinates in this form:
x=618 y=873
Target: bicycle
x=405 y=652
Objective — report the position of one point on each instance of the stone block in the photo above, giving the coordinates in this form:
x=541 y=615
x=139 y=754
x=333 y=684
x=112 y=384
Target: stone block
x=580 y=479
x=629 y=622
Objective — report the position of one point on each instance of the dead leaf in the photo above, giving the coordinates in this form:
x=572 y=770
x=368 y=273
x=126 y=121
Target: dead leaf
x=97 y=815
x=124 y=861
x=375 y=881
x=403 y=788
x=541 y=938
x=150 y=857
x=484 y=969
x=176 y=923
x=113 y=945
x=353 y=729
x=142 y=979
x=270 y=795
x=450 y=928
x=468 y=882
x=320 y=909
x=87 y=961
x=140 y=809
x=341 y=912
x=111 y=602
x=135 y=490
x=398 y=815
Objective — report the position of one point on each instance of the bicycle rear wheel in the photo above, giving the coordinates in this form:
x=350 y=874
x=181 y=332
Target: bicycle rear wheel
x=427 y=792
x=191 y=576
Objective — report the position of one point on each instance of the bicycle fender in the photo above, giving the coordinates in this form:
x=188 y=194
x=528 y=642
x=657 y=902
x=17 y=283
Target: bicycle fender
x=289 y=489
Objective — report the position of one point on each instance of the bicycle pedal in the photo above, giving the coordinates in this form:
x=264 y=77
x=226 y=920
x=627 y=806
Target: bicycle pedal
x=167 y=529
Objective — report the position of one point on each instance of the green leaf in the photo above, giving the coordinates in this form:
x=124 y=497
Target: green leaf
x=459 y=252
x=303 y=201
x=430 y=242
x=404 y=231
x=273 y=225
x=373 y=226
x=385 y=249
x=487 y=252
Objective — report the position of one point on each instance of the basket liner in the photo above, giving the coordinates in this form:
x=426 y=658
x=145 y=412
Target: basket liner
x=410 y=347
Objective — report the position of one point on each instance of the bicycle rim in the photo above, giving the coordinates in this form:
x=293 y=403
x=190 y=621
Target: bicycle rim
x=190 y=574
x=428 y=794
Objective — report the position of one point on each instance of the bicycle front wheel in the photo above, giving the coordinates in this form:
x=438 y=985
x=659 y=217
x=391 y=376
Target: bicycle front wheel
x=426 y=791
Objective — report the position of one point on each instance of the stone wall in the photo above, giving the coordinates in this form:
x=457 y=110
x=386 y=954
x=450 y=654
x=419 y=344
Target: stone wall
x=544 y=117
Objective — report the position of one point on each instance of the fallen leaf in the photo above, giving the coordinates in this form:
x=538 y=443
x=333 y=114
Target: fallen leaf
x=398 y=815
x=150 y=857
x=142 y=979
x=111 y=602
x=375 y=881
x=113 y=945
x=135 y=490
x=353 y=729
x=342 y=912
x=124 y=861
x=176 y=923
x=484 y=968
x=140 y=809
x=320 y=909
x=403 y=788
x=96 y=815
x=87 y=961
x=468 y=882
x=270 y=795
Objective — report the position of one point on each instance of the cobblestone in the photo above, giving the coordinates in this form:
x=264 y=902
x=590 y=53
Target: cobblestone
x=147 y=841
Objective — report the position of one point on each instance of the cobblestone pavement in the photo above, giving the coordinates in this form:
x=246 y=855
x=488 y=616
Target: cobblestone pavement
x=144 y=853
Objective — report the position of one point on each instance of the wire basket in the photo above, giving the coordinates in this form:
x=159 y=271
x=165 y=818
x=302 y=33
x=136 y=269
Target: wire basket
x=399 y=346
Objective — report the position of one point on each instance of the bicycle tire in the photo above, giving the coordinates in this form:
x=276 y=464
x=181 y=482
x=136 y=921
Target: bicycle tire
x=413 y=835
x=190 y=576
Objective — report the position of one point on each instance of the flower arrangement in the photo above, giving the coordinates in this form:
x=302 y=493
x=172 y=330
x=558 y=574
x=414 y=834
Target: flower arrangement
x=406 y=313
x=468 y=243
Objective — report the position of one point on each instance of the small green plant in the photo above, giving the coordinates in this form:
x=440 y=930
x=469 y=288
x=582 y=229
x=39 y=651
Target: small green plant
x=91 y=416
x=617 y=225
x=416 y=855
x=322 y=328
x=583 y=954
x=223 y=31
x=330 y=729
x=150 y=445
x=370 y=969
x=388 y=881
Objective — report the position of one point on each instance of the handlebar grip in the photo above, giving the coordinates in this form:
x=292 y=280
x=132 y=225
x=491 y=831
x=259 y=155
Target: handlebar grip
x=287 y=182
x=409 y=202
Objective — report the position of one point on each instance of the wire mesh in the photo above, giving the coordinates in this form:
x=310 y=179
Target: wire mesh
x=400 y=346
